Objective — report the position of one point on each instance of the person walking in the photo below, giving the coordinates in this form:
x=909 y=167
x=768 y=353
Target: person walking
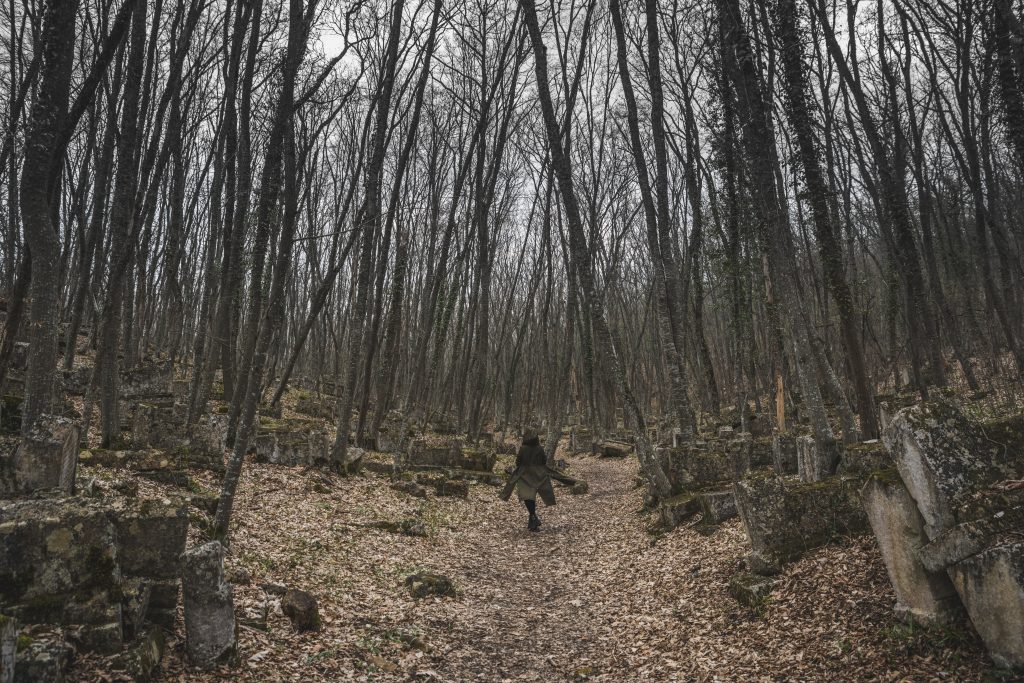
x=532 y=477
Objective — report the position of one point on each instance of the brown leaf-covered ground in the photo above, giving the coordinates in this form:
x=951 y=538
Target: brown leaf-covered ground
x=593 y=596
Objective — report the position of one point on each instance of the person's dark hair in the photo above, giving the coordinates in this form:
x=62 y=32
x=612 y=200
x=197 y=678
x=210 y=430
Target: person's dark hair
x=531 y=438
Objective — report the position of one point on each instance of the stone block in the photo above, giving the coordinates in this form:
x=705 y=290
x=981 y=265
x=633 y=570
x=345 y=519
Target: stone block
x=135 y=596
x=58 y=560
x=678 y=509
x=991 y=586
x=206 y=446
x=784 y=459
x=210 y=629
x=614 y=449
x=864 y=458
x=783 y=520
x=452 y=456
x=738 y=452
x=922 y=594
x=151 y=536
x=147 y=380
x=47 y=457
x=42 y=657
x=717 y=506
x=751 y=590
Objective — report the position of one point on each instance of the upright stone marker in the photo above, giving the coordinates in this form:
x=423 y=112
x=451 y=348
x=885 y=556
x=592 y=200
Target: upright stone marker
x=210 y=638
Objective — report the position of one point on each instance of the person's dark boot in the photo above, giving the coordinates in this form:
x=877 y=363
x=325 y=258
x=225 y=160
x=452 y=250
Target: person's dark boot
x=534 y=524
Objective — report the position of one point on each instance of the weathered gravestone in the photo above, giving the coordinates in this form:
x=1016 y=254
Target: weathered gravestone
x=47 y=457
x=784 y=519
x=210 y=629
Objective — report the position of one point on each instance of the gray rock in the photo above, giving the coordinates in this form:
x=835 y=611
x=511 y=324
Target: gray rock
x=210 y=638
x=922 y=594
x=301 y=608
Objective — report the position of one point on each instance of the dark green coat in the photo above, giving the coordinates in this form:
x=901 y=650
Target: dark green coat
x=532 y=476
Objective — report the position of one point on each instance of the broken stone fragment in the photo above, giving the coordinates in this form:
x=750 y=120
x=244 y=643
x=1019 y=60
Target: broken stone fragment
x=923 y=593
x=47 y=457
x=135 y=596
x=751 y=590
x=210 y=638
x=991 y=586
x=969 y=538
x=678 y=509
x=406 y=527
x=427 y=584
x=42 y=657
x=141 y=661
x=301 y=608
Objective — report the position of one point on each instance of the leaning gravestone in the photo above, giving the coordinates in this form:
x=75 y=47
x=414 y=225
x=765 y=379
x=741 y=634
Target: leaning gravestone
x=960 y=475
x=210 y=638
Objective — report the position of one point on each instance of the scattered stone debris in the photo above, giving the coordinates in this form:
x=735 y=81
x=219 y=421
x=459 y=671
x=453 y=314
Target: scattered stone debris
x=426 y=584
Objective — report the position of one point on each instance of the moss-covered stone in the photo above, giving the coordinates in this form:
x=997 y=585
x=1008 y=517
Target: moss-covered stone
x=785 y=519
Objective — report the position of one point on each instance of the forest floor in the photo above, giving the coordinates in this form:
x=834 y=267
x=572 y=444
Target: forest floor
x=593 y=596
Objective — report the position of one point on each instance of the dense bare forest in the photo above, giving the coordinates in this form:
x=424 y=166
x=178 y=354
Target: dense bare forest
x=677 y=231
